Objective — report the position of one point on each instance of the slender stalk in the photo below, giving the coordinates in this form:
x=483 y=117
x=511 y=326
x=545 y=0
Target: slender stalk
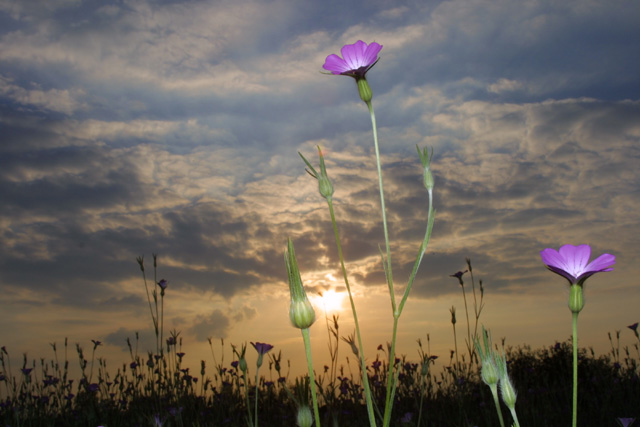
x=496 y=400
x=382 y=206
x=255 y=417
x=574 y=421
x=365 y=378
x=307 y=347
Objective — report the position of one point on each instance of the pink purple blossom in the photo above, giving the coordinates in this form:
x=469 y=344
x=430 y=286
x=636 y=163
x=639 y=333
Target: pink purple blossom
x=572 y=262
x=357 y=59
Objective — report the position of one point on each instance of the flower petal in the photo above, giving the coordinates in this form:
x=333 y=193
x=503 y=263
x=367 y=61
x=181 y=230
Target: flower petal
x=356 y=58
x=576 y=258
x=335 y=64
x=602 y=263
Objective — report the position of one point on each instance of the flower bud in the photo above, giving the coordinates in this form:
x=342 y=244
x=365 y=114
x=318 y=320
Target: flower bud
x=576 y=298
x=305 y=417
x=364 y=90
x=489 y=371
x=508 y=392
x=302 y=314
x=427 y=176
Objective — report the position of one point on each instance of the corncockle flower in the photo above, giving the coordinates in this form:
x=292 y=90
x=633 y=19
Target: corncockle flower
x=163 y=284
x=572 y=262
x=357 y=59
x=634 y=328
x=458 y=276
x=262 y=349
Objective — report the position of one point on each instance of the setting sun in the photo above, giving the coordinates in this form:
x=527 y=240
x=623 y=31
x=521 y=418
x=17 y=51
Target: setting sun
x=330 y=301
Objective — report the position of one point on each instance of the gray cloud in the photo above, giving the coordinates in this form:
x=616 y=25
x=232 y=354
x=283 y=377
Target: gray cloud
x=172 y=127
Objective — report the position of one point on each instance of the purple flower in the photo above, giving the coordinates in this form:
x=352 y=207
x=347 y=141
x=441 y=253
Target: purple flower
x=26 y=371
x=572 y=262
x=262 y=348
x=163 y=284
x=458 y=276
x=358 y=59
x=633 y=327
x=626 y=422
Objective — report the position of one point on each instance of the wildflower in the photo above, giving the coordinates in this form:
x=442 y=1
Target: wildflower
x=458 y=276
x=634 y=328
x=262 y=349
x=163 y=285
x=572 y=262
x=626 y=422
x=301 y=312
x=26 y=371
x=357 y=59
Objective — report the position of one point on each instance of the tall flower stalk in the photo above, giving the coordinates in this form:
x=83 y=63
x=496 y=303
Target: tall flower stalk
x=357 y=59
x=302 y=316
x=572 y=263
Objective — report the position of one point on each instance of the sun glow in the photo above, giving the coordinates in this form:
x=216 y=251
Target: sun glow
x=330 y=301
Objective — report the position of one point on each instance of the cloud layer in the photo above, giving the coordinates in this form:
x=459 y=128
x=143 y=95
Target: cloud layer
x=173 y=127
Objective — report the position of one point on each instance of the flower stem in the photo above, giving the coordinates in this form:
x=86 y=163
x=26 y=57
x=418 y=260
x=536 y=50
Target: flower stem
x=494 y=392
x=383 y=208
x=307 y=347
x=255 y=418
x=574 y=421
x=365 y=378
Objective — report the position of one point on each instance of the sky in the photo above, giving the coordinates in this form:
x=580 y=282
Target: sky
x=129 y=128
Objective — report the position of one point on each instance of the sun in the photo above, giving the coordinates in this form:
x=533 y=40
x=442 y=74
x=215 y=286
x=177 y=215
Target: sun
x=330 y=301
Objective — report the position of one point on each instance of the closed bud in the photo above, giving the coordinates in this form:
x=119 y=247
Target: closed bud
x=364 y=90
x=305 y=417
x=301 y=311
x=576 y=298
x=302 y=314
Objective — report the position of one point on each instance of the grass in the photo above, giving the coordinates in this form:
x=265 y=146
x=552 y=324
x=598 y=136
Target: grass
x=156 y=390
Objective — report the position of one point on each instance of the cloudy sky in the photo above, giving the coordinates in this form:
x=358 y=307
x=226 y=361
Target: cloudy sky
x=134 y=127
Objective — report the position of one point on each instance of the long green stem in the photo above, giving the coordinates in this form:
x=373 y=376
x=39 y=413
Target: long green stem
x=574 y=421
x=365 y=378
x=255 y=418
x=388 y=270
x=307 y=347
x=496 y=401
x=382 y=207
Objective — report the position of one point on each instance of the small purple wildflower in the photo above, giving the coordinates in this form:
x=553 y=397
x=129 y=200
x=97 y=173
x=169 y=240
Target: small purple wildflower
x=458 y=276
x=357 y=59
x=26 y=371
x=626 y=422
x=262 y=348
x=572 y=262
x=633 y=327
x=163 y=284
